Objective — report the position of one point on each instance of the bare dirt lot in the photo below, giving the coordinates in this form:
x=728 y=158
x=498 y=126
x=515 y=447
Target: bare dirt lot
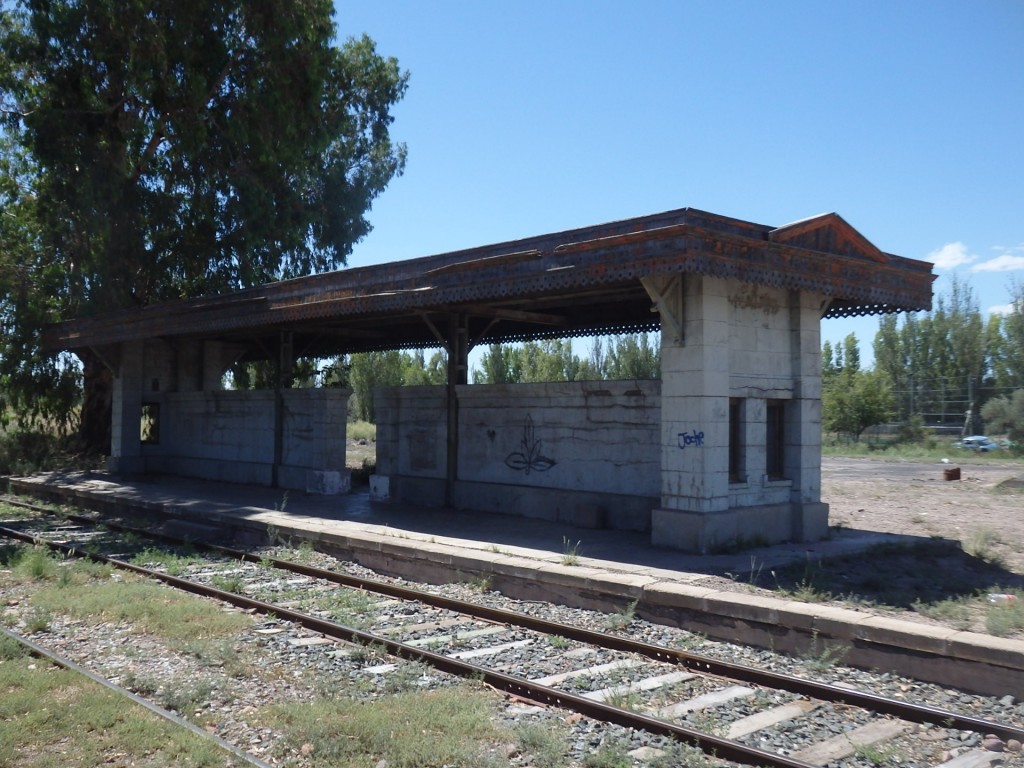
x=984 y=510
x=961 y=563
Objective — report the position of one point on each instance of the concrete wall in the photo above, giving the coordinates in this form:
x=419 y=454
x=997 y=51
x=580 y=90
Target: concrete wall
x=586 y=453
x=759 y=345
x=228 y=435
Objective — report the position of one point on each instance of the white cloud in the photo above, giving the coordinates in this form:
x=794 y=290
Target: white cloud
x=951 y=256
x=1005 y=263
x=1001 y=309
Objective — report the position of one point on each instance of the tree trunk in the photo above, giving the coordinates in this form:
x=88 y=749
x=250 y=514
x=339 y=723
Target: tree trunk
x=98 y=386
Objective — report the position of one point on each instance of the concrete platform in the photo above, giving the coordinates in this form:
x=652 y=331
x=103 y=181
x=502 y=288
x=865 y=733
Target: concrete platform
x=585 y=567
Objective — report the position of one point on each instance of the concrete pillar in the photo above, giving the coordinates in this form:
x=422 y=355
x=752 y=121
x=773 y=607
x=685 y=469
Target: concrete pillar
x=695 y=420
x=126 y=412
x=803 y=420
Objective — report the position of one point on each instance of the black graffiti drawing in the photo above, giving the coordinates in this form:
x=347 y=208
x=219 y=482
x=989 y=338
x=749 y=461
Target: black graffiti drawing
x=529 y=459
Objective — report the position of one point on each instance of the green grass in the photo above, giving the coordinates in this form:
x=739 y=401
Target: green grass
x=149 y=607
x=450 y=727
x=53 y=718
x=361 y=430
x=172 y=562
x=1006 y=618
x=570 y=551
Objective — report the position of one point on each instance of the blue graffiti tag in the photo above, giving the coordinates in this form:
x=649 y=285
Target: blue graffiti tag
x=686 y=438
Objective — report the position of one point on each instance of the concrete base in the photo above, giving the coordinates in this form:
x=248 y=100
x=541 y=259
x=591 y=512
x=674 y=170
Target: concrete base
x=328 y=482
x=126 y=465
x=713 y=532
x=584 y=509
x=380 y=488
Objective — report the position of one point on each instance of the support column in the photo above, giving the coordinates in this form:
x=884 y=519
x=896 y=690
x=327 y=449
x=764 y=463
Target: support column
x=809 y=521
x=695 y=419
x=126 y=412
x=282 y=381
x=458 y=373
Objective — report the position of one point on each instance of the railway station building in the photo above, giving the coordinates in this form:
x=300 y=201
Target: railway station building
x=725 y=448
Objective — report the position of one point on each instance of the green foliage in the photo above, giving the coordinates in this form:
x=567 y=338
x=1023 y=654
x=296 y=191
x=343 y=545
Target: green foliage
x=630 y=356
x=942 y=364
x=150 y=607
x=1005 y=415
x=156 y=151
x=43 y=704
x=409 y=729
x=388 y=369
x=852 y=400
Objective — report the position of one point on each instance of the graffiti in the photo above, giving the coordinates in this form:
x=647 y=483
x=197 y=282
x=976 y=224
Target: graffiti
x=529 y=459
x=691 y=438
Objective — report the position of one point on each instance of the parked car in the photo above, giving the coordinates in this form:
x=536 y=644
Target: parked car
x=978 y=443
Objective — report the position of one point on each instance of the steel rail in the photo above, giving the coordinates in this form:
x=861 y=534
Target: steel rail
x=694 y=662
x=516 y=686
x=60 y=661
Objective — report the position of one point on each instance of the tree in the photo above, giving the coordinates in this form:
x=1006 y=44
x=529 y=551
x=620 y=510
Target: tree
x=372 y=369
x=852 y=399
x=178 y=150
x=1005 y=415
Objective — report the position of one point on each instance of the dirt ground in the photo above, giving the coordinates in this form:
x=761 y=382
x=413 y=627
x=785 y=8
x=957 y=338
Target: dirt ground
x=984 y=510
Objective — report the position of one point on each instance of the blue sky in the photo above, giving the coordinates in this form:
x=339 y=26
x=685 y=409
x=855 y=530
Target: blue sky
x=521 y=118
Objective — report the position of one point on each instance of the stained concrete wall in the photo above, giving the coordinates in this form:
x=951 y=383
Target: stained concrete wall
x=758 y=344
x=228 y=435
x=580 y=452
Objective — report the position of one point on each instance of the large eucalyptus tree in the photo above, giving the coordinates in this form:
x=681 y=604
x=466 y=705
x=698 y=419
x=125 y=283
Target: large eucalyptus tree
x=182 y=149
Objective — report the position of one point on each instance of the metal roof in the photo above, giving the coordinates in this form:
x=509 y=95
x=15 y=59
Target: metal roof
x=573 y=283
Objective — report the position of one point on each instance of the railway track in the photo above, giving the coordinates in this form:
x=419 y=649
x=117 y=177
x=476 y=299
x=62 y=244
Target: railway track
x=723 y=708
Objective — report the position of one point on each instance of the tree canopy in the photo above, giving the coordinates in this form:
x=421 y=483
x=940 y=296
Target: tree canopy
x=158 y=150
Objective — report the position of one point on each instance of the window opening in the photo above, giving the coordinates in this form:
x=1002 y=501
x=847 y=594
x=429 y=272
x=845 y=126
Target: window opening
x=737 y=473
x=775 y=439
x=149 y=430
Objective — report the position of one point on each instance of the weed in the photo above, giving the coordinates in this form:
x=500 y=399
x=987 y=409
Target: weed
x=1006 y=618
x=451 y=726
x=570 y=551
x=172 y=563
x=36 y=564
x=481 y=584
x=821 y=656
x=877 y=754
x=232 y=582
x=707 y=721
x=624 y=698
x=557 y=641
x=38 y=620
x=184 y=697
x=43 y=704
x=980 y=545
x=273 y=532
x=150 y=607
x=546 y=747
x=612 y=755
x=953 y=611
x=10 y=648
x=619 y=621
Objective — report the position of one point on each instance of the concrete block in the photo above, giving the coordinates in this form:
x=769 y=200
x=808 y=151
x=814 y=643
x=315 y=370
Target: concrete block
x=328 y=482
x=380 y=488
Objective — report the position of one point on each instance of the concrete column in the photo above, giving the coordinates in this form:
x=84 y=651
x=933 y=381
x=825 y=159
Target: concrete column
x=803 y=420
x=695 y=421
x=126 y=412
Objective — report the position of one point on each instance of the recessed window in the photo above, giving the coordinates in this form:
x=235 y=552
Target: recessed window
x=775 y=439
x=737 y=469
x=149 y=429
